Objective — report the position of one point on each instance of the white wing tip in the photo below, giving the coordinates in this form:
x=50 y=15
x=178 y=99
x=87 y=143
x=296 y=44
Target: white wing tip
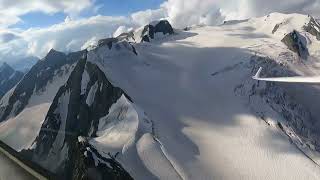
x=257 y=75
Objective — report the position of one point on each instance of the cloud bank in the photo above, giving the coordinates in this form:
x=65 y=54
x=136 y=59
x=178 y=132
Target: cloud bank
x=67 y=36
x=187 y=12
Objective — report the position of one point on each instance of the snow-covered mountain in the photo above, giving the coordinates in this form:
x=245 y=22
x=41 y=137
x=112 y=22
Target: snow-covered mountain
x=76 y=113
x=23 y=108
x=159 y=103
x=8 y=78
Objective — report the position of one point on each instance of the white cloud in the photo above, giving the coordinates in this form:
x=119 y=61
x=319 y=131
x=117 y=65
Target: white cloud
x=91 y=42
x=142 y=18
x=7 y=36
x=7 y=20
x=182 y=13
x=70 y=35
x=12 y=9
x=13 y=50
x=120 y=30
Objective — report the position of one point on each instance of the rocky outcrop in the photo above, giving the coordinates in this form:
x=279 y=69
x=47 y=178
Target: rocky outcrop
x=91 y=165
x=117 y=43
x=279 y=25
x=108 y=41
x=128 y=36
x=149 y=31
x=313 y=28
x=276 y=27
x=144 y=34
x=8 y=78
x=296 y=43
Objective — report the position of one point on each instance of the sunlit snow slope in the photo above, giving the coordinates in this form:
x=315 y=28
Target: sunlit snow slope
x=187 y=83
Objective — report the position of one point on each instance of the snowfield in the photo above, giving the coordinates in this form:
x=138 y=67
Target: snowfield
x=186 y=85
x=126 y=134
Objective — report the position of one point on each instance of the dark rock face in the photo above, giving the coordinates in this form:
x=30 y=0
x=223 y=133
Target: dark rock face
x=149 y=31
x=117 y=43
x=164 y=26
x=108 y=41
x=187 y=28
x=275 y=29
x=69 y=117
x=86 y=167
x=126 y=36
x=296 y=43
x=313 y=28
x=147 y=34
x=8 y=78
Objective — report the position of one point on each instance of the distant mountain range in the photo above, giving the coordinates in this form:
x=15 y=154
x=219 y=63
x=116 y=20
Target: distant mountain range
x=24 y=64
x=8 y=78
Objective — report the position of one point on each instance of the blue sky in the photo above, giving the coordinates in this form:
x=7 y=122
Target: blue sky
x=104 y=7
x=126 y=7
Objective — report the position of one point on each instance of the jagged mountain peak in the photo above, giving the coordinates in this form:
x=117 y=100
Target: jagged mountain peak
x=54 y=55
x=152 y=31
x=116 y=46
x=149 y=32
x=93 y=94
x=52 y=50
x=6 y=66
x=296 y=43
x=81 y=103
x=108 y=41
x=44 y=78
x=126 y=41
x=8 y=78
x=313 y=27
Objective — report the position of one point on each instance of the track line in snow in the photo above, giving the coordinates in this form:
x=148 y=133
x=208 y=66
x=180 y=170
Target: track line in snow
x=227 y=68
x=165 y=154
x=295 y=144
